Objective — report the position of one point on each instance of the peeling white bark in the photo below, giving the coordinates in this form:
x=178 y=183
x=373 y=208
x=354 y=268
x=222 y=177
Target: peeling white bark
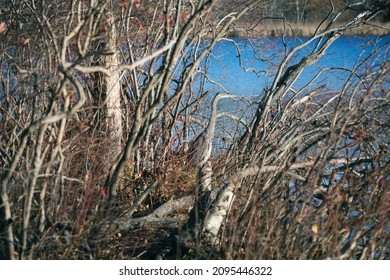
x=159 y=216
x=217 y=214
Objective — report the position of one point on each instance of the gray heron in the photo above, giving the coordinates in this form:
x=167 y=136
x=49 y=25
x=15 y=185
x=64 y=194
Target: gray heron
x=201 y=147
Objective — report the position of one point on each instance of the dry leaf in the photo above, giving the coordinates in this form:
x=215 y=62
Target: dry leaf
x=3 y=27
x=24 y=41
x=315 y=228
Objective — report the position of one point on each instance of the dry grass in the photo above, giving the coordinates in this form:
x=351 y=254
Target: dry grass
x=278 y=28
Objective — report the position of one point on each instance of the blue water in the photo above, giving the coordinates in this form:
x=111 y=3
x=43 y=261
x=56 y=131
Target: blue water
x=261 y=57
x=260 y=60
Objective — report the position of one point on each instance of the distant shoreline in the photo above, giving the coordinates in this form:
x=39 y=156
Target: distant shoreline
x=277 y=29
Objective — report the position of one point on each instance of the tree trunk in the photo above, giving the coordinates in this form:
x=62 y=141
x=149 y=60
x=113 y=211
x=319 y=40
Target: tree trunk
x=113 y=93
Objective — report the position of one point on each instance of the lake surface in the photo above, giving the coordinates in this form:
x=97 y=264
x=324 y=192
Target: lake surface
x=264 y=56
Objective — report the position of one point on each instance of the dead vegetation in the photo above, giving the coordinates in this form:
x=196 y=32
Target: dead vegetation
x=99 y=131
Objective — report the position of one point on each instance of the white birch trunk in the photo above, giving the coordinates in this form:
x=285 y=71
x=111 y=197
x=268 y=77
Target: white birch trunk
x=217 y=214
x=221 y=205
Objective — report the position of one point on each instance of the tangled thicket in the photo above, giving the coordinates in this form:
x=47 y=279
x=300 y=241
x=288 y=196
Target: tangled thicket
x=100 y=126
